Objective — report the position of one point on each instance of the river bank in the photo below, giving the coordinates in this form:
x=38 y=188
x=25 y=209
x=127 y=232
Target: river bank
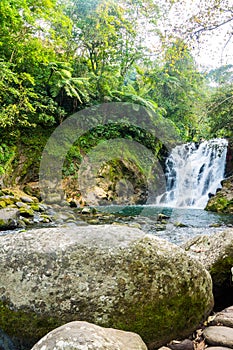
x=22 y=211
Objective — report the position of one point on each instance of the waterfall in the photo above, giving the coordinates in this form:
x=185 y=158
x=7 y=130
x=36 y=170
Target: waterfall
x=194 y=172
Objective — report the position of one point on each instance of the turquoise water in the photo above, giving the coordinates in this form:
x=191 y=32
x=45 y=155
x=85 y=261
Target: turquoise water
x=181 y=223
x=176 y=225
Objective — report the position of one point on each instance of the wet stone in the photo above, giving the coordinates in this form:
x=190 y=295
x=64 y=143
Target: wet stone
x=21 y=205
x=219 y=335
x=26 y=200
x=224 y=318
x=218 y=348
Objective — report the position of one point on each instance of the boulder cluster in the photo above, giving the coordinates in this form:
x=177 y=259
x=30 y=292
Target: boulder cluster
x=109 y=287
x=110 y=275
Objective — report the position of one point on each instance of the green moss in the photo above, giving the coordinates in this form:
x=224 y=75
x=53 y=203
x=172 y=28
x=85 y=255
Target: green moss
x=8 y=200
x=2 y=223
x=158 y=321
x=35 y=207
x=220 y=204
x=25 y=326
x=2 y=204
x=221 y=270
x=26 y=212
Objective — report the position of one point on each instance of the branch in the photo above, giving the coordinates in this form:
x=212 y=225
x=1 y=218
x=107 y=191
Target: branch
x=219 y=104
x=227 y=42
x=199 y=31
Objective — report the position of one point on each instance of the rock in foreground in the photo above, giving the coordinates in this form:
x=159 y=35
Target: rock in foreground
x=219 y=335
x=79 y=335
x=216 y=254
x=224 y=318
x=109 y=275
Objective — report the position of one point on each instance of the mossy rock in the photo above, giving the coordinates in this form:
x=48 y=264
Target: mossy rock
x=26 y=212
x=2 y=204
x=25 y=322
x=222 y=202
x=8 y=200
x=35 y=207
x=114 y=276
x=216 y=254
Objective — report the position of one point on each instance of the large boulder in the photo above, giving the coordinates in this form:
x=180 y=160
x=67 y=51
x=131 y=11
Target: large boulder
x=110 y=275
x=216 y=254
x=80 y=335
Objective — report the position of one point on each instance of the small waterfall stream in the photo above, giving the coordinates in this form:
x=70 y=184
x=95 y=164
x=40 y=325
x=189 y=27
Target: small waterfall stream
x=193 y=172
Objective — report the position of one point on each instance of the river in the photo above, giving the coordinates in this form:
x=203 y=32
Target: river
x=181 y=223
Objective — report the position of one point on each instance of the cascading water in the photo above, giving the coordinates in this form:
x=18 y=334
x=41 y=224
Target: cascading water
x=193 y=172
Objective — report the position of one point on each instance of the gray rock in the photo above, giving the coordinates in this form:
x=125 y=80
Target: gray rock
x=21 y=205
x=186 y=344
x=83 y=335
x=86 y=210
x=8 y=213
x=210 y=248
x=114 y=276
x=216 y=254
x=219 y=335
x=26 y=199
x=218 y=348
x=8 y=218
x=224 y=317
x=42 y=207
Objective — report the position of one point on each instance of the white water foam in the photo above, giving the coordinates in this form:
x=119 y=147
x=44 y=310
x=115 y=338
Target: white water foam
x=193 y=173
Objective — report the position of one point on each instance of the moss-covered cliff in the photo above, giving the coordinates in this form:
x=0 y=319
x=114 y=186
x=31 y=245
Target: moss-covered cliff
x=222 y=202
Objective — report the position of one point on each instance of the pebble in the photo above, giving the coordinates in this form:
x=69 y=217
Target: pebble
x=26 y=199
x=21 y=205
x=224 y=318
x=219 y=335
x=218 y=348
x=183 y=345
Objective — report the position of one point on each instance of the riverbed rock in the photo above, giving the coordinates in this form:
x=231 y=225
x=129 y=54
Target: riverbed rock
x=218 y=348
x=222 y=202
x=215 y=252
x=80 y=335
x=110 y=275
x=8 y=218
x=224 y=317
x=219 y=335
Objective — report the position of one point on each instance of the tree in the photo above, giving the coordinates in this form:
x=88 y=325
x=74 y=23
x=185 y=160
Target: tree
x=29 y=39
x=176 y=87
x=220 y=111
x=197 y=21
x=107 y=35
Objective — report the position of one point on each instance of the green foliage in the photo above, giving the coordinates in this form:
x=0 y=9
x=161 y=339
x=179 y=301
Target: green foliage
x=220 y=111
x=58 y=57
x=221 y=75
x=7 y=153
x=123 y=130
x=176 y=86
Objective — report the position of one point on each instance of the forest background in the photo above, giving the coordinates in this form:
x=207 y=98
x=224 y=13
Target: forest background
x=58 y=57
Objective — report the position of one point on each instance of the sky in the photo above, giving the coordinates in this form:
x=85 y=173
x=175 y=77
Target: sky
x=209 y=52
x=212 y=54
